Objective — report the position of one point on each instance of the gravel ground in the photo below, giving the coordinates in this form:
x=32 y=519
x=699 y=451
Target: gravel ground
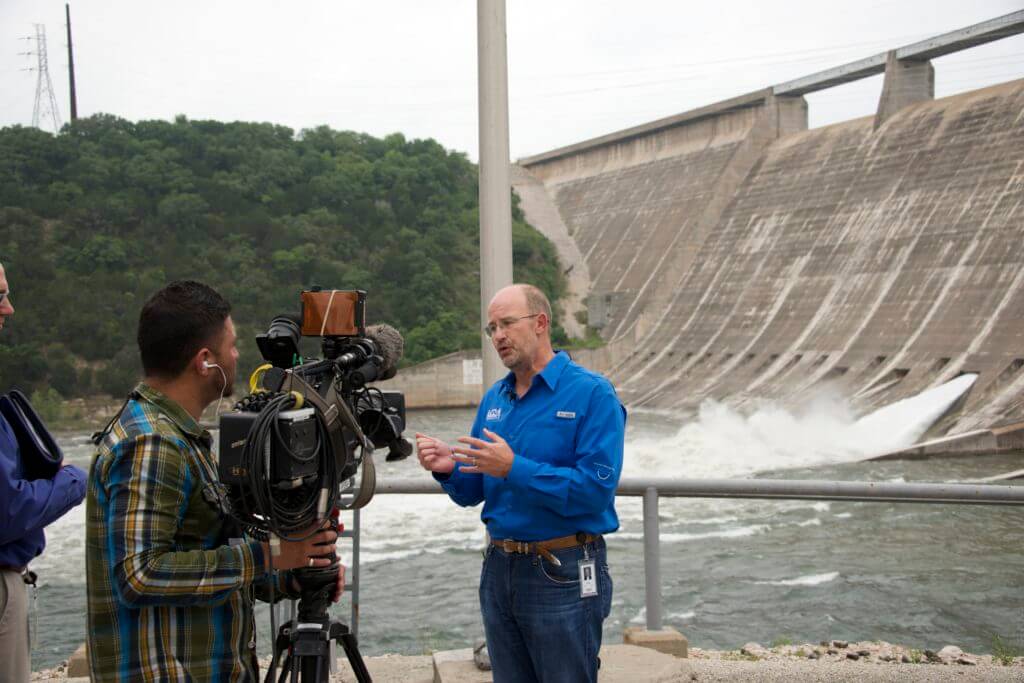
x=822 y=662
x=842 y=661
x=803 y=670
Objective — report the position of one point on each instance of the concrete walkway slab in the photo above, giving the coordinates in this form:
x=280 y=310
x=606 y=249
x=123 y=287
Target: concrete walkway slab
x=619 y=664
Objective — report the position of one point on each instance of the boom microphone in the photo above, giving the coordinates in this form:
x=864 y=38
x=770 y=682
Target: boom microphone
x=390 y=345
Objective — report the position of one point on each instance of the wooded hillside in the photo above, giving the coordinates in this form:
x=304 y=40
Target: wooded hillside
x=93 y=220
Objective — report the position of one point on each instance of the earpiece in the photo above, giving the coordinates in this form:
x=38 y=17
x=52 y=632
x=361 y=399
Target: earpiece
x=207 y=364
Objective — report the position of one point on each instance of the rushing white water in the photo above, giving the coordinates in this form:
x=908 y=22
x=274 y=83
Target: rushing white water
x=809 y=580
x=902 y=423
x=711 y=547
x=722 y=442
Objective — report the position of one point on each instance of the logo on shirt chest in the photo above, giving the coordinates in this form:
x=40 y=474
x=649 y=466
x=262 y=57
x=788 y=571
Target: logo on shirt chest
x=566 y=415
x=493 y=414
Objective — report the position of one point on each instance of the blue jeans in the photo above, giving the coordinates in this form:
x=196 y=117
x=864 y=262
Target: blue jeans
x=538 y=627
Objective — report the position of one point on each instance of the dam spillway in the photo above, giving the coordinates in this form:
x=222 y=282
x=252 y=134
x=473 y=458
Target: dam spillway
x=731 y=254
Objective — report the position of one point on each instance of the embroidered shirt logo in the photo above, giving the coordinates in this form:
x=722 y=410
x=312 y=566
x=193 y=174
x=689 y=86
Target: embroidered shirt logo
x=494 y=414
x=566 y=414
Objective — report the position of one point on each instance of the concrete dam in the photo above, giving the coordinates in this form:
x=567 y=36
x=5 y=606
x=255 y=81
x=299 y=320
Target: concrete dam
x=730 y=253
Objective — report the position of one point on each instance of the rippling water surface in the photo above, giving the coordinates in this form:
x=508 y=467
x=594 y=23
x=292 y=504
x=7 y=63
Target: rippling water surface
x=732 y=571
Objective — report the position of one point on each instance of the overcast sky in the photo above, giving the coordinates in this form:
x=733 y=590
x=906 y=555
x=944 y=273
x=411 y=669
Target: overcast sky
x=577 y=69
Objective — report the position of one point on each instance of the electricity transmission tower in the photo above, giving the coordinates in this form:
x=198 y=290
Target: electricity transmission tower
x=46 y=102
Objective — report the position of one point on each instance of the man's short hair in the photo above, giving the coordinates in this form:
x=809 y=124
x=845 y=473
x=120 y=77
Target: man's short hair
x=176 y=322
x=536 y=301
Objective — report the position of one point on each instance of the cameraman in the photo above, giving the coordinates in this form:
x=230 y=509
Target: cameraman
x=170 y=584
x=25 y=508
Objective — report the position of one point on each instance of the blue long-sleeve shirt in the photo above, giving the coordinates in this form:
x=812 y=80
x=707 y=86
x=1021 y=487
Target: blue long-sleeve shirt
x=26 y=507
x=567 y=433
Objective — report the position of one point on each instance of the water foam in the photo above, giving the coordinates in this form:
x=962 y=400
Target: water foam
x=809 y=580
x=722 y=442
x=736 y=532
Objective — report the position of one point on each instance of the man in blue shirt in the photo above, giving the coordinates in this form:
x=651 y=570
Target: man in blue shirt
x=26 y=506
x=544 y=456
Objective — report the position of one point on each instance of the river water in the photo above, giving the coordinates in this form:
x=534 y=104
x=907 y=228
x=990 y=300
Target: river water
x=732 y=571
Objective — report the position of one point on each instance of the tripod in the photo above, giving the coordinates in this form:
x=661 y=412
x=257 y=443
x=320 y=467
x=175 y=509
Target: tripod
x=307 y=641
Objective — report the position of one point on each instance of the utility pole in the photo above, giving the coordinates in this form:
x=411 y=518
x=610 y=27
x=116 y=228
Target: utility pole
x=495 y=178
x=71 y=67
x=46 y=102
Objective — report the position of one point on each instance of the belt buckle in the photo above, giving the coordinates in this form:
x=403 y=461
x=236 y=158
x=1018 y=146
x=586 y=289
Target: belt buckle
x=512 y=546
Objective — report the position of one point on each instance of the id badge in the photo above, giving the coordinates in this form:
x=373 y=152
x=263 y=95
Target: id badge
x=588 y=578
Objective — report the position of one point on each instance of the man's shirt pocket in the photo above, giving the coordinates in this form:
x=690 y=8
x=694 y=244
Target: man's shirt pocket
x=554 y=442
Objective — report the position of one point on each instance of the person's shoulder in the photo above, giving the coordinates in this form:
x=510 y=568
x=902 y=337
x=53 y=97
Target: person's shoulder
x=585 y=377
x=141 y=423
x=8 y=442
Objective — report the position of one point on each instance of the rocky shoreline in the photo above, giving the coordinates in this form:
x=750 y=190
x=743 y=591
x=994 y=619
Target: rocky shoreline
x=874 y=652
x=825 y=660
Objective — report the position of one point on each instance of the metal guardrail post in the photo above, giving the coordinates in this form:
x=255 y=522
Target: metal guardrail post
x=355 y=573
x=652 y=559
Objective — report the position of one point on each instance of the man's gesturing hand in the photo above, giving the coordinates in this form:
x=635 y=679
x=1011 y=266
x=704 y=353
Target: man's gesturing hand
x=492 y=457
x=434 y=455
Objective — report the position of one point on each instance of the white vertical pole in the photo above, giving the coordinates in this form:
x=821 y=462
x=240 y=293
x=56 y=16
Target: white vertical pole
x=495 y=180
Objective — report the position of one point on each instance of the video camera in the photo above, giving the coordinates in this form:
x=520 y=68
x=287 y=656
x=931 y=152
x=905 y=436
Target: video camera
x=310 y=425
x=299 y=447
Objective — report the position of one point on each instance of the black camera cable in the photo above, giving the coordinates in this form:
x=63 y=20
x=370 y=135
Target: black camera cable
x=285 y=513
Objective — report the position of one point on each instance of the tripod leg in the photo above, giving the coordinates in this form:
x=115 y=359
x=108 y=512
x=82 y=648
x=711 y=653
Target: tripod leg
x=348 y=641
x=281 y=678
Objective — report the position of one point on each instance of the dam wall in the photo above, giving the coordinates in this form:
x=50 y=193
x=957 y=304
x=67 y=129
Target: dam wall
x=730 y=253
x=454 y=380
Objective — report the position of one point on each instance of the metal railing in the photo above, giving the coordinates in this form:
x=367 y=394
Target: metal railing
x=651 y=489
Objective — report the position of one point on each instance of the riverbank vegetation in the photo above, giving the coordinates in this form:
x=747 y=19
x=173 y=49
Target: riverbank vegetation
x=95 y=219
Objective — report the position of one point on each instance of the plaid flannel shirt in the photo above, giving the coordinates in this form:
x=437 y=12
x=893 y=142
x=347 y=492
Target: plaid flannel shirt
x=169 y=598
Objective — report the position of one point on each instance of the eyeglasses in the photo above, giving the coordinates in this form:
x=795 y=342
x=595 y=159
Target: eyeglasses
x=3 y=297
x=503 y=324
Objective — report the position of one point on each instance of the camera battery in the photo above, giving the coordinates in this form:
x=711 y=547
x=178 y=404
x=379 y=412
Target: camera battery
x=234 y=432
x=294 y=456
x=292 y=450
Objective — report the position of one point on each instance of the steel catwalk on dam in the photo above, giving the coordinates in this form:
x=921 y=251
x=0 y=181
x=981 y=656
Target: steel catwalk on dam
x=730 y=253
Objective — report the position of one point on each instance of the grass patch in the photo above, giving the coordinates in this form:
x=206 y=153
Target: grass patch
x=781 y=642
x=1004 y=652
x=740 y=657
x=916 y=656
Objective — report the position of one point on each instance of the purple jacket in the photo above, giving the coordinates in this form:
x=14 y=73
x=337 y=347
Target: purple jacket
x=28 y=506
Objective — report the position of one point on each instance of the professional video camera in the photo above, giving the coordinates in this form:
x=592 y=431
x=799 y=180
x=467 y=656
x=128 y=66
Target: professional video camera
x=299 y=447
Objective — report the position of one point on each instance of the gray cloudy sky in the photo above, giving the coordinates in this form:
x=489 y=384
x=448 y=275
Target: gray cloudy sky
x=577 y=68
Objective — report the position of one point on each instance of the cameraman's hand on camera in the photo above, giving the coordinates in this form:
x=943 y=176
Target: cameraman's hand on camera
x=339 y=587
x=305 y=553
x=435 y=455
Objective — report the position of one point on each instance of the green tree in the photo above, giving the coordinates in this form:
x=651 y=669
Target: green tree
x=95 y=219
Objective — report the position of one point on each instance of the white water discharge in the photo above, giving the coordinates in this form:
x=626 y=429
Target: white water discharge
x=809 y=580
x=775 y=547
x=722 y=442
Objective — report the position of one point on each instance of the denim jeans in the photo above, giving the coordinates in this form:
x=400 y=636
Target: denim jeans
x=538 y=627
